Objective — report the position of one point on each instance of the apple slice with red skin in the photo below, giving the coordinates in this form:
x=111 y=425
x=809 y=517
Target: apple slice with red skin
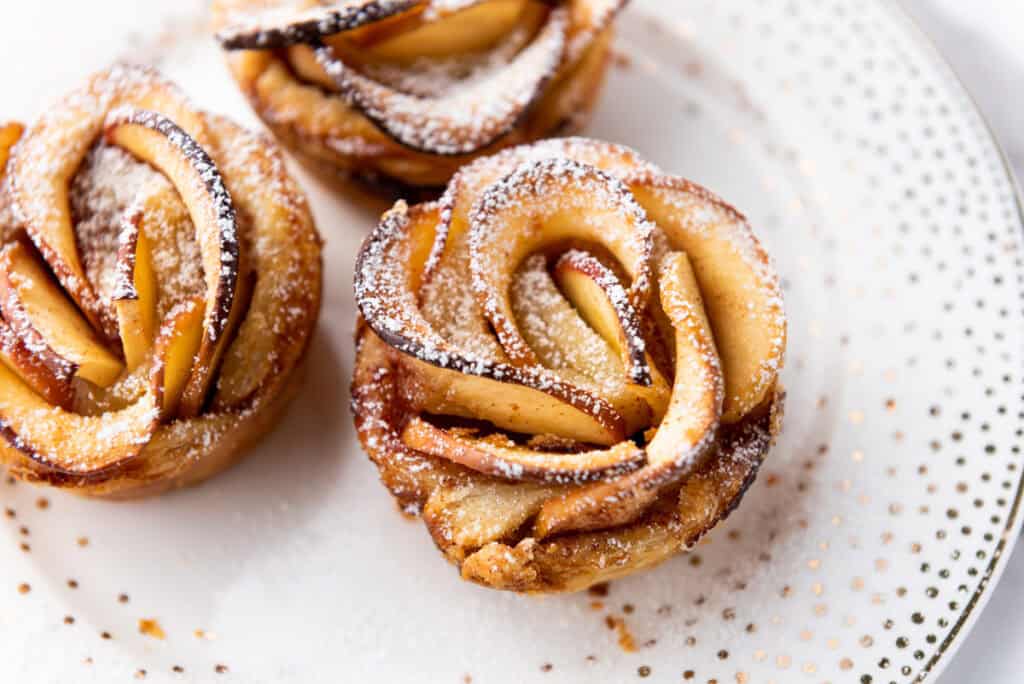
x=499 y=456
x=401 y=47
x=68 y=445
x=686 y=434
x=279 y=27
x=135 y=289
x=363 y=39
x=41 y=368
x=563 y=342
x=466 y=119
x=554 y=330
x=597 y=294
x=50 y=154
x=440 y=31
x=538 y=207
x=446 y=379
x=450 y=251
x=529 y=400
x=469 y=183
x=156 y=139
x=738 y=283
x=40 y=314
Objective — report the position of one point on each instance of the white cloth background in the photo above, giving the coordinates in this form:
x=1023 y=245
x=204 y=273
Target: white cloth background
x=982 y=39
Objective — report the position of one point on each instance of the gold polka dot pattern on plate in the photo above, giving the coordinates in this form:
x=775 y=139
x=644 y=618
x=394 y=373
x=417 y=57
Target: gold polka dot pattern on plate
x=893 y=493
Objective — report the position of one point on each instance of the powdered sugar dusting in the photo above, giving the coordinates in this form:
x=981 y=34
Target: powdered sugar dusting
x=468 y=115
x=223 y=246
x=110 y=184
x=595 y=17
x=437 y=77
x=629 y=323
x=438 y=9
x=556 y=333
x=695 y=217
x=602 y=209
x=390 y=307
x=293 y=23
x=487 y=292
x=114 y=199
x=431 y=104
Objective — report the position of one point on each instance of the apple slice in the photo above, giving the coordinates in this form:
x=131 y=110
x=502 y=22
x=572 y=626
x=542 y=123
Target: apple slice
x=154 y=138
x=39 y=312
x=499 y=456
x=408 y=474
x=447 y=29
x=529 y=400
x=446 y=379
x=597 y=294
x=686 y=434
x=135 y=289
x=466 y=186
x=10 y=133
x=469 y=515
x=69 y=445
x=538 y=207
x=739 y=286
x=563 y=342
x=363 y=38
x=471 y=180
x=281 y=26
x=52 y=151
x=39 y=367
x=553 y=329
x=177 y=344
x=425 y=54
x=467 y=118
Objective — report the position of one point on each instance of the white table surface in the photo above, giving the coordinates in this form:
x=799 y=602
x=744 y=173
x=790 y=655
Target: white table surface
x=981 y=39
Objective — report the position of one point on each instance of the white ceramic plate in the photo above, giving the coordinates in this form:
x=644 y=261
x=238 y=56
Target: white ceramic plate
x=863 y=552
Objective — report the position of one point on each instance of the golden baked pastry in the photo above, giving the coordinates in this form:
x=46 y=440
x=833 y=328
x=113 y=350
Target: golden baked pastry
x=568 y=364
x=411 y=90
x=159 y=284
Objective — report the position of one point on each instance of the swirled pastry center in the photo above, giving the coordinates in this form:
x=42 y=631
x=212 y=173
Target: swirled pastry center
x=159 y=279
x=570 y=315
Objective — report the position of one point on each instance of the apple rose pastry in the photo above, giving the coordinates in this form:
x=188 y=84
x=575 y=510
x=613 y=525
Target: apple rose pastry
x=159 y=284
x=569 y=364
x=412 y=90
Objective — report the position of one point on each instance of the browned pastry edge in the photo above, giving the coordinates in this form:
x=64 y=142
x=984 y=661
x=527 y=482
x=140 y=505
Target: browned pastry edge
x=387 y=167
x=566 y=563
x=188 y=450
x=231 y=447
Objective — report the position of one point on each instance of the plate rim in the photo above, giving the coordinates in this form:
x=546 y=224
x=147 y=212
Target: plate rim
x=968 y=617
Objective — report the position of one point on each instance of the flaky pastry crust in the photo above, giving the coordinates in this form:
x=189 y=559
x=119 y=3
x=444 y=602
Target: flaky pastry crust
x=568 y=365
x=404 y=93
